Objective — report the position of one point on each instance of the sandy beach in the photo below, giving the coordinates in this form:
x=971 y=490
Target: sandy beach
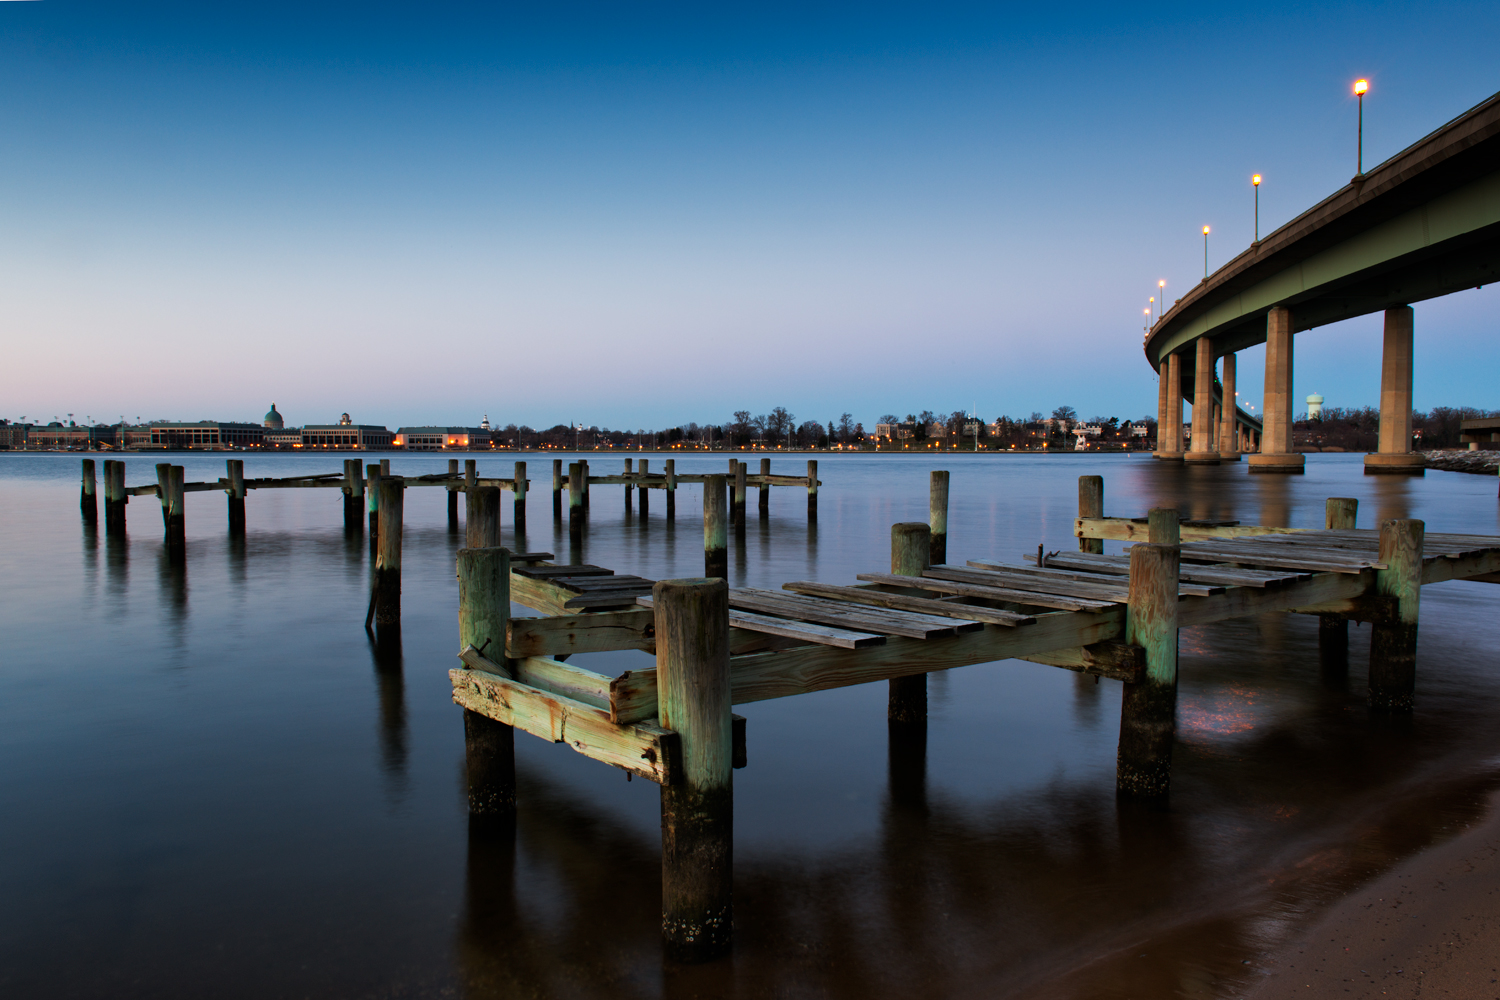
x=1428 y=928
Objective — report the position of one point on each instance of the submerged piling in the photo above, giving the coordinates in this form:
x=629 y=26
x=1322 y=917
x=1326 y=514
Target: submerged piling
x=1339 y=513
x=629 y=487
x=169 y=481
x=88 y=502
x=489 y=746
x=911 y=554
x=114 y=497
x=697 y=810
x=740 y=469
x=937 y=516
x=453 y=491
x=354 y=497
x=557 y=489
x=1393 y=641
x=715 y=528
x=518 y=479
x=388 y=554
x=671 y=473
x=575 y=498
x=1091 y=504
x=372 y=503
x=645 y=490
x=763 y=497
x=235 y=497
x=812 y=491
x=1148 y=710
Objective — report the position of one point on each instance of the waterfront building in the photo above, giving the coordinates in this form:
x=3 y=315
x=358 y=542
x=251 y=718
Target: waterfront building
x=345 y=435
x=442 y=438
x=205 y=434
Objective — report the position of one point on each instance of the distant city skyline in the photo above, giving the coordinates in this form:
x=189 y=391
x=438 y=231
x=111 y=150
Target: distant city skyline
x=631 y=217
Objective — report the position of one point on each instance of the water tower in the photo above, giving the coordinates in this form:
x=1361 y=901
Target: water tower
x=1314 y=407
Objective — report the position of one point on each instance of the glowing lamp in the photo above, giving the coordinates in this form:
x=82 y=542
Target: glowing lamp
x=1205 y=230
x=1255 y=180
x=1360 y=86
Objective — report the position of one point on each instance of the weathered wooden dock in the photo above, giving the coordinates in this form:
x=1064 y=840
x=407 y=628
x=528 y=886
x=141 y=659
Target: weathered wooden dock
x=1116 y=617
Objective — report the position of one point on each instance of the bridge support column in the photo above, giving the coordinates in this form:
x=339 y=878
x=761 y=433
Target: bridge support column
x=1395 y=455
x=1204 y=451
x=1276 y=454
x=1169 y=407
x=1229 y=427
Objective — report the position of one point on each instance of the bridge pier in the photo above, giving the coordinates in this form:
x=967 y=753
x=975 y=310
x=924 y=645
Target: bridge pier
x=1204 y=451
x=1229 y=438
x=1169 y=410
x=1395 y=454
x=1276 y=454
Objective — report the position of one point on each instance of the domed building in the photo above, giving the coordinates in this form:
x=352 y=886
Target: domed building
x=273 y=421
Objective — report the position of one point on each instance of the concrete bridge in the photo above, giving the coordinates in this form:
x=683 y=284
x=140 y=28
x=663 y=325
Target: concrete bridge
x=1424 y=223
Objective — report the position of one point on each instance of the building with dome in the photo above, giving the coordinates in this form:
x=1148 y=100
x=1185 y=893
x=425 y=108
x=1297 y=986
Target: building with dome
x=273 y=421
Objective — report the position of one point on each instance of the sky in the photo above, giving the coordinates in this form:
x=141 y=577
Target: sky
x=635 y=216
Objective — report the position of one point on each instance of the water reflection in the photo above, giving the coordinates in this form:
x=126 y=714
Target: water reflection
x=172 y=586
x=390 y=679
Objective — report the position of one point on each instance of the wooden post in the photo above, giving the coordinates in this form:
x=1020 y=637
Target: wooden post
x=489 y=746
x=88 y=503
x=587 y=500
x=175 y=513
x=388 y=555
x=644 y=491
x=740 y=497
x=1163 y=526
x=1393 y=641
x=164 y=489
x=114 y=497
x=354 y=497
x=372 y=503
x=575 y=498
x=452 y=497
x=557 y=489
x=1091 y=504
x=482 y=517
x=236 y=496
x=911 y=554
x=697 y=810
x=1148 y=709
x=629 y=468
x=671 y=465
x=764 y=499
x=1333 y=630
x=715 y=528
x=812 y=491
x=937 y=516
x=385 y=468
x=519 y=479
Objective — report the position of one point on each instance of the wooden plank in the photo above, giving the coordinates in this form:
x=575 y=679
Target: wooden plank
x=1226 y=576
x=604 y=599
x=1118 y=661
x=859 y=617
x=1470 y=567
x=1123 y=529
x=586 y=633
x=545 y=674
x=1021 y=581
x=901 y=602
x=780 y=674
x=1109 y=582
x=547 y=572
x=274 y=484
x=822 y=635
x=586 y=583
x=1243 y=602
x=641 y=748
x=522 y=557
x=1256 y=556
x=1008 y=594
x=539 y=595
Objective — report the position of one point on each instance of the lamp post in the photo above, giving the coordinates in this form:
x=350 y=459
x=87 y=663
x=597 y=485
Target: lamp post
x=1255 y=180
x=1205 y=253
x=1360 y=86
x=1161 y=297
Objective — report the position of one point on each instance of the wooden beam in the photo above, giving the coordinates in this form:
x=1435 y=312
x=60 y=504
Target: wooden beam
x=643 y=749
x=1015 y=596
x=1124 y=529
x=586 y=633
x=1244 y=602
x=1118 y=661
x=901 y=602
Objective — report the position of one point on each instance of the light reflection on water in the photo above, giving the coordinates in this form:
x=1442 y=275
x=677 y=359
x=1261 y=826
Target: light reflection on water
x=213 y=783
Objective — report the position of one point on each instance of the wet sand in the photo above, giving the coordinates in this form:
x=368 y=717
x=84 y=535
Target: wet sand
x=1428 y=928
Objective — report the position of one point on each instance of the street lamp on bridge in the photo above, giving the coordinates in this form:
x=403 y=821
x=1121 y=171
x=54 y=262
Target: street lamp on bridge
x=1205 y=253
x=1360 y=86
x=1255 y=181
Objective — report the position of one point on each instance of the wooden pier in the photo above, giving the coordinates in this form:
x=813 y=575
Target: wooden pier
x=1115 y=617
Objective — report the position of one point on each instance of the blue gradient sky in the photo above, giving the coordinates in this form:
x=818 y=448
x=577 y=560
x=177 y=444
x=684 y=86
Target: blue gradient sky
x=638 y=216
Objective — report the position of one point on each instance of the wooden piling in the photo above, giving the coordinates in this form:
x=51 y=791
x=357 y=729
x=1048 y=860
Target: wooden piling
x=489 y=746
x=235 y=496
x=557 y=489
x=763 y=498
x=1393 y=641
x=1339 y=513
x=587 y=502
x=697 y=810
x=519 y=507
x=1148 y=709
x=482 y=517
x=740 y=498
x=575 y=498
x=372 y=503
x=114 y=497
x=1163 y=527
x=715 y=527
x=453 y=497
x=385 y=468
x=645 y=493
x=388 y=554
x=1091 y=504
x=671 y=472
x=354 y=497
x=629 y=489
x=911 y=554
x=88 y=502
x=812 y=491
x=175 y=512
x=937 y=517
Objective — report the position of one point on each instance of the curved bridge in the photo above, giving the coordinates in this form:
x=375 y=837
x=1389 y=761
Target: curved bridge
x=1422 y=224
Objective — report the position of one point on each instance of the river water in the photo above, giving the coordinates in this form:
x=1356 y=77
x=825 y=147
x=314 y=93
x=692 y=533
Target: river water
x=213 y=785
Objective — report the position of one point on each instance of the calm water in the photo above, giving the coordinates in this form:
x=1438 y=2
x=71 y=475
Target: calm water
x=212 y=785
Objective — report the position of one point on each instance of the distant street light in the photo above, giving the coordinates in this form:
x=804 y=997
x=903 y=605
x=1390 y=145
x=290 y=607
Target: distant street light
x=1255 y=180
x=1360 y=86
x=1205 y=253
x=1161 y=293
